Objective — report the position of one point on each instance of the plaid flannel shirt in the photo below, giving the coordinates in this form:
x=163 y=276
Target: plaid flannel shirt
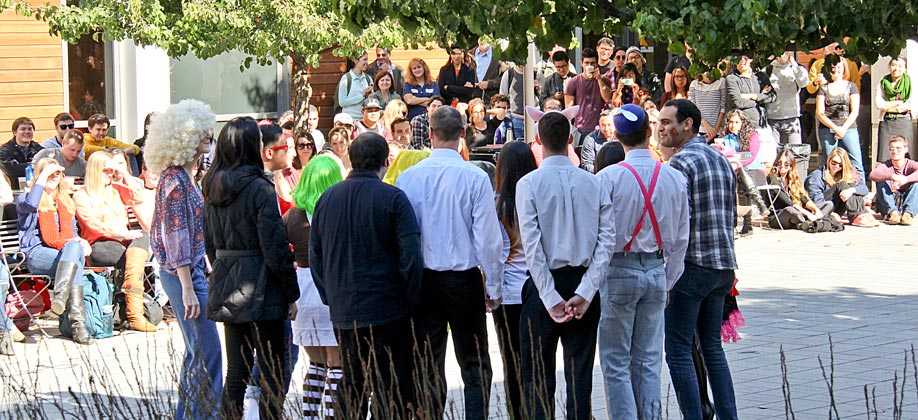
x=712 y=200
x=420 y=132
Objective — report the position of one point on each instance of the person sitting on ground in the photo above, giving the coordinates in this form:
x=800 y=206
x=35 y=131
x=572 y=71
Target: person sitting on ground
x=68 y=155
x=47 y=235
x=312 y=327
x=596 y=140
x=17 y=153
x=102 y=213
x=742 y=137
x=420 y=125
x=895 y=179
x=840 y=184
x=795 y=209
x=97 y=138
x=372 y=119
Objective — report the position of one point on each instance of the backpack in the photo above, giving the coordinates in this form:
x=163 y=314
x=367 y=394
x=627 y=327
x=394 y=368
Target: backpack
x=350 y=80
x=97 y=298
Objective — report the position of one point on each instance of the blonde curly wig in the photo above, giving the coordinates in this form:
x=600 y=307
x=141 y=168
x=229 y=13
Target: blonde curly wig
x=175 y=134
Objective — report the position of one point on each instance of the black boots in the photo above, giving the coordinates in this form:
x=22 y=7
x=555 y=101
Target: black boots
x=747 y=185
x=63 y=280
x=78 y=316
x=746 y=230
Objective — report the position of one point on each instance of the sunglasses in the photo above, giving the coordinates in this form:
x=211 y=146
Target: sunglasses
x=835 y=163
x=619 y=57
x=66 y=126
x=301 y=146
x=783 y=164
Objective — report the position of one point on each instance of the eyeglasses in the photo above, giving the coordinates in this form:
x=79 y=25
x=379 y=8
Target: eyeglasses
x=896 y=148
x=66 y=126
x=619 y=57
x=679 y=76
x=275 y=148
x=301 y=146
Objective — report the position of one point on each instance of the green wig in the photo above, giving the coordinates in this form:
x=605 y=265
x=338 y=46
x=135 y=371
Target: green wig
x=319 y=174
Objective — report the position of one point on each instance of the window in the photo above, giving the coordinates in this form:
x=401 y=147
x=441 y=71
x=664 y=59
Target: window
x=90 y=78
x=218 y=81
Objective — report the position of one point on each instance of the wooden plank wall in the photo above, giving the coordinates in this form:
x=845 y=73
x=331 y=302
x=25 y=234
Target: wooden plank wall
x=31 y=74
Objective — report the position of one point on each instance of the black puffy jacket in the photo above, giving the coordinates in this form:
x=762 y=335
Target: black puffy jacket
x=253 y=276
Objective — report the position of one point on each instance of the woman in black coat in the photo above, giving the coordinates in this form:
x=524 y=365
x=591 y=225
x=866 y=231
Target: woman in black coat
x=253 y=286
x=457 y=79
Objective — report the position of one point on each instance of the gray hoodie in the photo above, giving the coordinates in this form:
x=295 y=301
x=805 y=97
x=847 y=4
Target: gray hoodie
x=786 y=80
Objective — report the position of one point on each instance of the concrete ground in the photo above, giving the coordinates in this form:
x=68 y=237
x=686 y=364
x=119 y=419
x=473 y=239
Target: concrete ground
x=797 y=290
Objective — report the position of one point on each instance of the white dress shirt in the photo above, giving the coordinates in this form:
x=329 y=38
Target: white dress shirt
x=565 y=218
x=454 y=203
x=670 y=204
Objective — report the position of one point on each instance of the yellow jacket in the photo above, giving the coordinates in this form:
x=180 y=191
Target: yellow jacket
x=854 y=75
x=91 y=145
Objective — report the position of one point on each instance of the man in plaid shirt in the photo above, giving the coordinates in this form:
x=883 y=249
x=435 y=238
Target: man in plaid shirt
x=420 y=125
x=697 y=299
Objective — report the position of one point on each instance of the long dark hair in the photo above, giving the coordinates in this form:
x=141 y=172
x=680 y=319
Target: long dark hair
x=514 y=161
x=238 y=145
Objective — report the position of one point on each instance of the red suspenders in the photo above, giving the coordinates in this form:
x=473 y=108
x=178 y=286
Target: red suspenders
x=648 y=208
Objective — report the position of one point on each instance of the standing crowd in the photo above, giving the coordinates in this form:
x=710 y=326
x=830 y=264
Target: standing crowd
x=371 y=246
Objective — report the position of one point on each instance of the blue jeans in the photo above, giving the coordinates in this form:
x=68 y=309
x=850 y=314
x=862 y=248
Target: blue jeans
x=201 y=377
x=886 y=199
x=293 y=354
x=696 y=303
x=850 y=142
x=519 y=128
x=43 y=260
x=631 y=334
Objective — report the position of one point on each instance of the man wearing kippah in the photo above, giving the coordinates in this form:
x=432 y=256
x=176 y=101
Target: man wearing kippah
x=650 y=205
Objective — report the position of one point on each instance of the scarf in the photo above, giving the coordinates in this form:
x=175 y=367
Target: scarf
x=56 y=233
x=900 y=91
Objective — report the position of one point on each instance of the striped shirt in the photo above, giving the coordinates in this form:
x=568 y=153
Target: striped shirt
x=710 y=99
x=712 y=204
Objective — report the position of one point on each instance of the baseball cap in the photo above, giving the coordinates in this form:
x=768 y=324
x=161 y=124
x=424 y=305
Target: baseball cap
x=370 y=103
x=345 y=119
x=628 y=118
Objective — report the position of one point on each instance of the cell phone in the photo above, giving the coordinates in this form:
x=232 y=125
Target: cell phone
x=627 y=82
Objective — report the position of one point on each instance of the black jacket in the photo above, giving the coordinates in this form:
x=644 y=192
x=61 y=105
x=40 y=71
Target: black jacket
x=15 y=159
x=492 y=76
x=253 y=277
x=365 y=252
x=452 y=86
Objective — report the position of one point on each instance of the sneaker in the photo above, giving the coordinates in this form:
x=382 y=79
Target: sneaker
x=906 y=219
x=894 y=219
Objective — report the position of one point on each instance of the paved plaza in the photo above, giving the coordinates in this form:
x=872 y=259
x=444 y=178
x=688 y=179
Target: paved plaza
x=796 y=289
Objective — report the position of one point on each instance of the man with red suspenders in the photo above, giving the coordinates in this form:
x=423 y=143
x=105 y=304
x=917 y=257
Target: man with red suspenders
x=650 y=203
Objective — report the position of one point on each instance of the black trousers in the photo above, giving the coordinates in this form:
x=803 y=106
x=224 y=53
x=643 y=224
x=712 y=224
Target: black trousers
x=452 y=302
x=852 y=207
x=539 y=342
x=507 y=325
x=243 y=341
x=377 y=361
x=789 y=217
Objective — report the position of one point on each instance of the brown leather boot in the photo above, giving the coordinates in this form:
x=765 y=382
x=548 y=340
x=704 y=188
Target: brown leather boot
x=135 y=261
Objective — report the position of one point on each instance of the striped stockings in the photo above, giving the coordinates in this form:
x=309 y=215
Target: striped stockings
x=331 y=391
x=313 y=386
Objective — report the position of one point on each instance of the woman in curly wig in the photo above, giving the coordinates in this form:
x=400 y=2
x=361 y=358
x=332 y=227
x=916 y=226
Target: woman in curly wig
x=177 y=138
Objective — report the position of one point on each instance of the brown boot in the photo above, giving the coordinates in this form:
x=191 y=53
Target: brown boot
x=136 y=259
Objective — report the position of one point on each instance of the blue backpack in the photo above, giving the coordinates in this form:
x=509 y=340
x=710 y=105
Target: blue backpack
x=97 y=298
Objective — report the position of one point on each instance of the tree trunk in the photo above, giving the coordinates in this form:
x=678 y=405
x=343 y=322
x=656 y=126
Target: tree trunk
x=301 y=93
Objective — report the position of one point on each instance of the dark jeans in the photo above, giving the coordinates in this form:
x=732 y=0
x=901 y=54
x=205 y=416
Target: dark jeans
x=697 y=304
x=789 y=217
x=507 y=325
x=376 y=360
x=539 y=342
x=243 y=340
x=452 y=302
x=852 y=207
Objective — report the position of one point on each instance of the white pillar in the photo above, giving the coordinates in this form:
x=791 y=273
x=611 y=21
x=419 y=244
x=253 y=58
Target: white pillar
x=528 y=83
x=144 y=87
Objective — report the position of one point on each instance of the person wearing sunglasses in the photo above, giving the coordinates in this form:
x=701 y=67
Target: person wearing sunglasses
x=840 y=183
x=793 y=206
x=286 y=179
x=62 y=123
